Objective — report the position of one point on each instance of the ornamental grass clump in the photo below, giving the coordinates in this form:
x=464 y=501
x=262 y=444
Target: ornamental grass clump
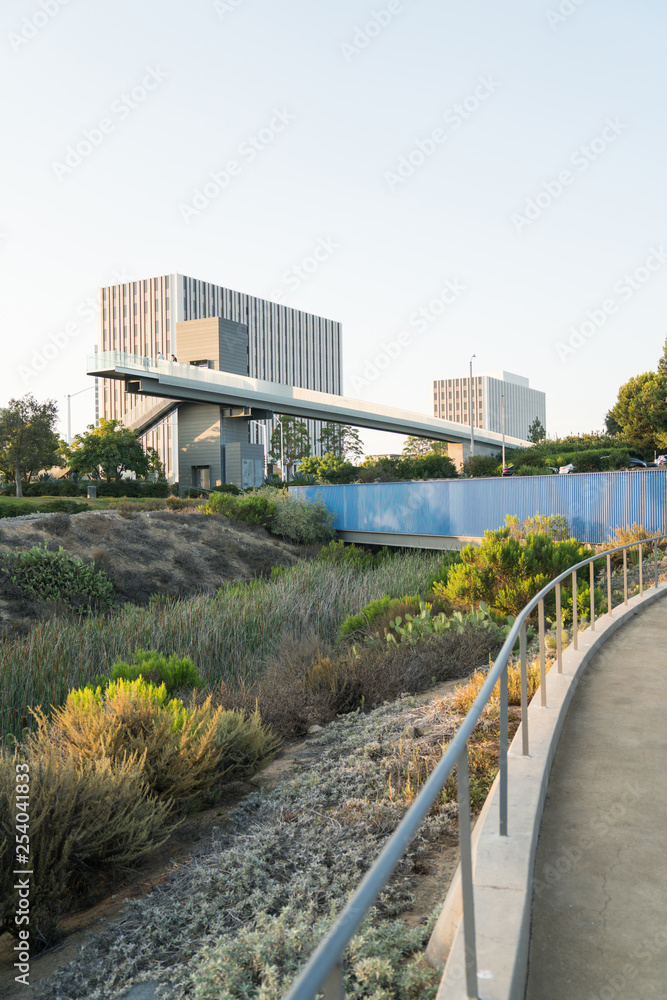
x=184 y=749
x=82 y=816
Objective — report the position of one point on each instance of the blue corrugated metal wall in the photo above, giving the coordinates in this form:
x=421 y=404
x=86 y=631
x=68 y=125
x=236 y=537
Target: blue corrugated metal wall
x=593 y=503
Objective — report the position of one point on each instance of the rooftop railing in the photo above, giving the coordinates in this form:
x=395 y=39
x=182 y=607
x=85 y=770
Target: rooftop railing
x=324 y=970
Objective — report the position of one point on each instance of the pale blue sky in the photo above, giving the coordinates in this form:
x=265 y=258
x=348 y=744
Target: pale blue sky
x=328 y=178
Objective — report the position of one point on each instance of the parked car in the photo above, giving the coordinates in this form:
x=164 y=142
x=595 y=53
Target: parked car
x=565 y=469
x=508 y=471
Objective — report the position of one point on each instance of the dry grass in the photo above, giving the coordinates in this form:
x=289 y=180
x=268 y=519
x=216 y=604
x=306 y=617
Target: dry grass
x=466 y=694
x=311 y=682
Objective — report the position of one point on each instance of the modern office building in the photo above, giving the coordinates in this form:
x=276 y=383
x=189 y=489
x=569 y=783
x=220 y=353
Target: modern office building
x=206 y=324
x=522 y=404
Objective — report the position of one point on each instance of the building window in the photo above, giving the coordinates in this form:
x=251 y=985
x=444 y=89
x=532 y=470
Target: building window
x=115 y=312
x=166 y=282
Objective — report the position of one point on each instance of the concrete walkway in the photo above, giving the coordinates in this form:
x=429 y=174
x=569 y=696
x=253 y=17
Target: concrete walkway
x=599 y=926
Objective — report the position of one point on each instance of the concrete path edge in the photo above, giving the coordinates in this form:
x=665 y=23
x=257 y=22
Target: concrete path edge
x=504 y=866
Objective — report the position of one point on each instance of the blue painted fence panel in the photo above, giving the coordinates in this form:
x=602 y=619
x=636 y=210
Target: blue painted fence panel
x=593 y=503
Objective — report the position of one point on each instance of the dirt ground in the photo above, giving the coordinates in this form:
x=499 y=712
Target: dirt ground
x=177 y=553
x=434 y=873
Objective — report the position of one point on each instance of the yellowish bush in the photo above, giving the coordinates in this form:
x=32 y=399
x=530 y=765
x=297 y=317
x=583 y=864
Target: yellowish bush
x=183 y=749
x=83 y=815
x=625 y=536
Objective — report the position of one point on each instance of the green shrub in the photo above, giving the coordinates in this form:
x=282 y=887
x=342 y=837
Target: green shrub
x=227 y=488
x=58 y=506
x=482 y=465
x=308 y=522
x=338 y=551
x=505 y=572
x=373 y=612
x=299 y=520
x=58 y=576
x=450 y=558
x=367 y=615
x=84 y=814
x=251 y=508
x=184 y=749
x=17 y=508
x=174 y=672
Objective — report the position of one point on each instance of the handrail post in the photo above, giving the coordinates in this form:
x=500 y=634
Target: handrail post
x=504 y=739
x=625 y=576
x=524 y=689
x=332 y=987
x=465 y=848
x=592 y=586
x=559 y=630
x=575 y=641
x=609 y=597
x=641 y=569
x=655 y=557
x=543 y=670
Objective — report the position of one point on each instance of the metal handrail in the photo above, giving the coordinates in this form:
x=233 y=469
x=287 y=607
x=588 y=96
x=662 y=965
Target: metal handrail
x=324 y=970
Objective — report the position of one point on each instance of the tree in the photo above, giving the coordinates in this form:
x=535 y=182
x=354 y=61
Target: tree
x=612 y=426
x=107 y=451
x=295 y=442
x=341 y=440
x=662 y=363
x=28 y=439
x=482 y=465
x=536 y=431
x=155 y=463
x=329 y=468
x=641 y=411
x=414 y=446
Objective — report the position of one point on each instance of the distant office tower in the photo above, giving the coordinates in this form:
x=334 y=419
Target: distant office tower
x=201 y=444
x=522 y=404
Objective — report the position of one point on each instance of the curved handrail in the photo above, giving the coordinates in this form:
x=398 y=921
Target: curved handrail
x=323 y=971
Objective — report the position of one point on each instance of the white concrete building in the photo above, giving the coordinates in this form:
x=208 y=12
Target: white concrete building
x=256 y=337
x=522 y=404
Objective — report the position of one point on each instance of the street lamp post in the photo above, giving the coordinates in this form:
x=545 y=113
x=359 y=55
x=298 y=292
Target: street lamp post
x=472 y=434
x=282 y=453
x=69 y=410
x=502 y=397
